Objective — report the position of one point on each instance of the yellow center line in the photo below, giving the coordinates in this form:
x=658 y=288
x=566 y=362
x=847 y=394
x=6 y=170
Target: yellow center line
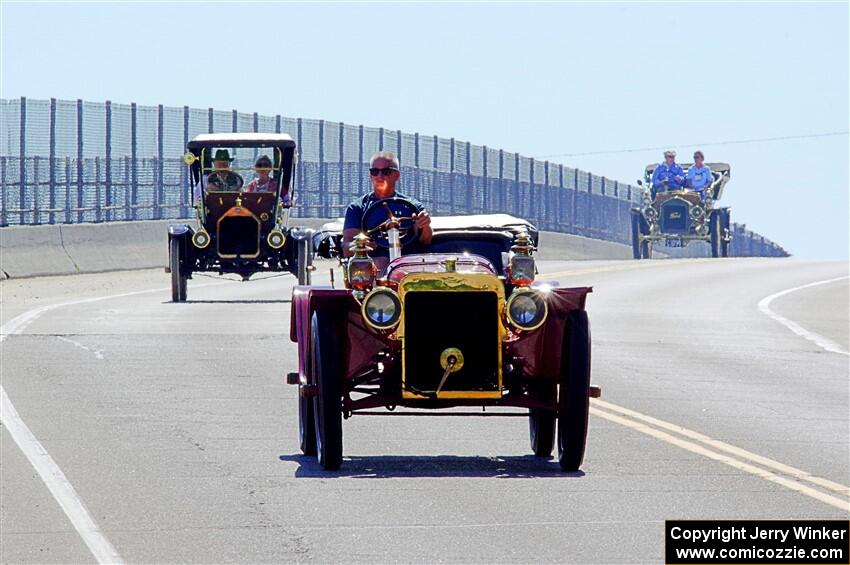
x=641 y=423
x=723 y=446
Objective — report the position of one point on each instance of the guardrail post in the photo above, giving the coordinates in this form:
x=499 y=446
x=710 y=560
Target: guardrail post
x=22 y=188
x=134 y=164
x=380 y=139
x=417 y=191
x=501 y=200
x=452 y=176
x=51 y=164
x=98 y=212
x=515 y=200
x=589 y=215
x=299 y=177
x=128 y=210
x=575 y=202
x=468 y=178
x=398 y=145
x=256 y=126
x=277 y=123
x=488 y=203
x=3 y=221
x=210 y=122
x=559 y=216
x=532 y=211
x=80 y=162
x=185 y=182
x=323 y=193
x=36 y=200
x=435 y=175
x=234 y=119
x=342 y=174
x=108 y=161
x=68 y=204
x=360 y=172
x=159 y=188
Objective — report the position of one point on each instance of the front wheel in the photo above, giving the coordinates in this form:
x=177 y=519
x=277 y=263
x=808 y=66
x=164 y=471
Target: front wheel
x=306 y=424
x=327 y=406
x=541 y=423
x=573 y=397
x=178 y=279
x=636 y=243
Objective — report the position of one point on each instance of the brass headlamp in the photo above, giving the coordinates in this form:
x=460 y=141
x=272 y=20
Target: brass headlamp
x=361 y=270
x=521 y=266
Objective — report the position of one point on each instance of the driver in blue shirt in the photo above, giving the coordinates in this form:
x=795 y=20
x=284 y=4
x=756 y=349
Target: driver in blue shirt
x=384 y=173
x=668 y=175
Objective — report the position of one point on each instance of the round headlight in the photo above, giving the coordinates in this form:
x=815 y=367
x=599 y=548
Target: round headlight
x=526 y=309
x=382 y=308
x=201 y=239
x=276 y=239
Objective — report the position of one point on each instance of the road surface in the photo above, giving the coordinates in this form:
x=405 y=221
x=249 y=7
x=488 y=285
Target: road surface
x=177 y=435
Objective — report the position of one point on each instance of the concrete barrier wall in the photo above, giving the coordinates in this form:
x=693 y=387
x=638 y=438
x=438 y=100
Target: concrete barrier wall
x=31 y=251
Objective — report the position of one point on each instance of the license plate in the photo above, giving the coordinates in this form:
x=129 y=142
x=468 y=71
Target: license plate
x=673 y=243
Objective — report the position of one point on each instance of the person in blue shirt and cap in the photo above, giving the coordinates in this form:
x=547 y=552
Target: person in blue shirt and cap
x=699 y=176
x=668 y=175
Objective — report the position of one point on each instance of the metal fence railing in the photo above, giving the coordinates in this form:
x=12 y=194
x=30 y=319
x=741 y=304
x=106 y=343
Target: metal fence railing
x=75 y=161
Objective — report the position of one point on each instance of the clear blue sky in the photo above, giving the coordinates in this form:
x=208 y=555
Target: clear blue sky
x=540 y=79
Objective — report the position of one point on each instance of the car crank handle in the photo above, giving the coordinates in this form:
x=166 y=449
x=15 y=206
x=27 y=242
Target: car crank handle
x=450 y=364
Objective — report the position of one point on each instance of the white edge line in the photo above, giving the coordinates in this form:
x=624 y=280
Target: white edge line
x=49 y=472
x=819 y=340
x=52 y=476
x=58 y=484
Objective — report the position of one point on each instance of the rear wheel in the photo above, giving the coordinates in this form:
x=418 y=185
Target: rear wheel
x=178 y=279
x=646 y=249
x=715 y=230
x=573 y=398
x=541 y=423
x=328 y=401
x=725 y=231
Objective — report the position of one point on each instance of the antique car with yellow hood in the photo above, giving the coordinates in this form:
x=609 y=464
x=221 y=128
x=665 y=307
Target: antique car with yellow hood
x=462 y=325
x=242 y=227
x=677 y=217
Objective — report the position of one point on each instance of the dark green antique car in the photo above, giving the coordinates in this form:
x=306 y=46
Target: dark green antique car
x=677 y=217
x=242 y=228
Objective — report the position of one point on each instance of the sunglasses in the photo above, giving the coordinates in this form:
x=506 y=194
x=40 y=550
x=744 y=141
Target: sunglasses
x=385 y=172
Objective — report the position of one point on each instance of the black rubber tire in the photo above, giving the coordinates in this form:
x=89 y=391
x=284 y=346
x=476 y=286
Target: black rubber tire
x=573 y=393
x=306 y=424
x=541 y=423
x=327 y=405
x=714 y=231
x=646 y=250
x=636 y=243
x=178 y=279
x=725 y=227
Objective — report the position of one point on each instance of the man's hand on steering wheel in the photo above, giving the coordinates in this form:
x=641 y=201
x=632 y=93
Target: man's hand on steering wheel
x=423 y=220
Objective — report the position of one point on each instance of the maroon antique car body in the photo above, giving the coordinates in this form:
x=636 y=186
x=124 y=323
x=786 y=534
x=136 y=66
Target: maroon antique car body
x=441 y=330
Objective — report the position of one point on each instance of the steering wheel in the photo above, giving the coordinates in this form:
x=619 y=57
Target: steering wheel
x=385 y=213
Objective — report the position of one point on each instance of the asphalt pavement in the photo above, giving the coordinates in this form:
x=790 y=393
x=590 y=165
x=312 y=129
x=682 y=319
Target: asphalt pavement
x=176 y=430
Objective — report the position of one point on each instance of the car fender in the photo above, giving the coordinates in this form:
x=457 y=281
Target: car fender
x=540 y=350
x=179 y=230
x=305 y=301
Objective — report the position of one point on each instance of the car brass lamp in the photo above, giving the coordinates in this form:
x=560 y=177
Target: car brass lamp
x=361 y=270
x=522 y=267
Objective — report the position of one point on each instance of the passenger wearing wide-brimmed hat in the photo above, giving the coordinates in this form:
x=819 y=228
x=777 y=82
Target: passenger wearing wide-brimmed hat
x=668 y=175
x=699 y=175
x=222 y=178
